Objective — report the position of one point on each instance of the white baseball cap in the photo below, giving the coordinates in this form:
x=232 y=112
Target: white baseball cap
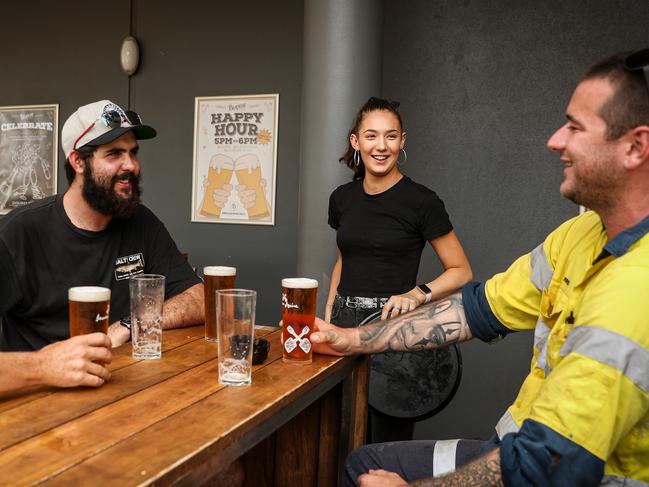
x=99 y=123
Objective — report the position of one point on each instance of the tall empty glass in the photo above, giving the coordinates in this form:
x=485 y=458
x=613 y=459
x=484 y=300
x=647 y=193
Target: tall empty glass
x=235 y=323
x=215 y=278
x=299 y=300
x=147 y=298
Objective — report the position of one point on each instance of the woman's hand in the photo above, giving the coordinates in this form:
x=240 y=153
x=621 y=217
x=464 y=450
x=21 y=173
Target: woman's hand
x=402 y=303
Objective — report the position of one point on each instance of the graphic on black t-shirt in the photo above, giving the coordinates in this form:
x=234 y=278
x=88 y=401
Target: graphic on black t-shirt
x=128 y=266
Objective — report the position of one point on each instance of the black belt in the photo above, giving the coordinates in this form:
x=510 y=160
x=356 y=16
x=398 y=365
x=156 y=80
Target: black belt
x=362 y=302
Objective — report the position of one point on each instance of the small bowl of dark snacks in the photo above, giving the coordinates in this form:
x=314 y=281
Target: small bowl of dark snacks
x=260 y=351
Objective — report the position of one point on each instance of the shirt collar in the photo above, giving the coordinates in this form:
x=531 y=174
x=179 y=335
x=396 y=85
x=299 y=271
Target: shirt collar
x=621 y=243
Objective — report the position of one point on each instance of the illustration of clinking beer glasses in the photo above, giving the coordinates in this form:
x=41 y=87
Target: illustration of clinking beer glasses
x=251 y=189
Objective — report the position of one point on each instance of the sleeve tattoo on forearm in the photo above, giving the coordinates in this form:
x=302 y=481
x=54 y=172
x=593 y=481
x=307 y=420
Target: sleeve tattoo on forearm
x=430 y=326
x=484 y=471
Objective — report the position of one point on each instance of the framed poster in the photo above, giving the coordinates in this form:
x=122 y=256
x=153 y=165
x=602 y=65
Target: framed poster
x=235 y=159
x=28 y=150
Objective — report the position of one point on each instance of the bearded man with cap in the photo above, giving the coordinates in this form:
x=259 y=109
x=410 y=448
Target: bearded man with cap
x=97 y=233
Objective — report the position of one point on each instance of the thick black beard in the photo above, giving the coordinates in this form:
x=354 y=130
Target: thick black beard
x=103 y=197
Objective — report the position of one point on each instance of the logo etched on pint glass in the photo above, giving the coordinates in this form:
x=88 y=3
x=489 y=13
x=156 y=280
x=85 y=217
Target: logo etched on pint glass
x=214 y=279
x=89 y=309
x=299 y=300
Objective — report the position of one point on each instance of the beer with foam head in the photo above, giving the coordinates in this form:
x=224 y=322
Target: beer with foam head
x=299 y=301
x=89 y=309
x=215 y=278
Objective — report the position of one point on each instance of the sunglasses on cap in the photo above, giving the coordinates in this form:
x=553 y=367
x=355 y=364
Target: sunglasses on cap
x=637 y=61
x=112 y=119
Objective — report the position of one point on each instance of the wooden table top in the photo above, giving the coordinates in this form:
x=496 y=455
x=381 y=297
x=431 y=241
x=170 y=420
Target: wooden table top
x=155 y=420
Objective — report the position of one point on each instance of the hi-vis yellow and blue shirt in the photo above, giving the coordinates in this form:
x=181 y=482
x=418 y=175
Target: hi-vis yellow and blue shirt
x=582 y=414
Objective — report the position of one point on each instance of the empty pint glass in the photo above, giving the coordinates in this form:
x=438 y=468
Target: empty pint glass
x=299 y=298
x=147 y=292
x=235 y=320
x=214 y=279
x=89 y=309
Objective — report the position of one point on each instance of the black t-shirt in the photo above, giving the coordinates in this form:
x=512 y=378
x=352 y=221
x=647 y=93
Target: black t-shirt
x=42 y=255
x=381 y=236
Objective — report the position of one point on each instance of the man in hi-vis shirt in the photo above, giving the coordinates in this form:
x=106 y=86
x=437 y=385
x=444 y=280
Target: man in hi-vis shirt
x=582 y=414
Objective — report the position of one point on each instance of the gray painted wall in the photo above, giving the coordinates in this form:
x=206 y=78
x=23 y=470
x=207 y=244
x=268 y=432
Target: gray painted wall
x=210 y=49
x=482 y=86
x=51 y=57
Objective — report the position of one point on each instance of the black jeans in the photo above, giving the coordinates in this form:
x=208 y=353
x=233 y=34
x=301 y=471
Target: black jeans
x=413 y=460
x=380 y=428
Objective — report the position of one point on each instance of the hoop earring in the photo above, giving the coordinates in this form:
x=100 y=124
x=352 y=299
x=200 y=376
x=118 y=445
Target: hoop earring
x=405 y=157
x=357 y=158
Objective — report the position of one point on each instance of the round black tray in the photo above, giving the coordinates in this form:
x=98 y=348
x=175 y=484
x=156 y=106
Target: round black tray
x=413 y=385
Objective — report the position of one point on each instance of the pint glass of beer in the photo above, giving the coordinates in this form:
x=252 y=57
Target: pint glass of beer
x=89 y=309
x=299 y=299
x=215 y=278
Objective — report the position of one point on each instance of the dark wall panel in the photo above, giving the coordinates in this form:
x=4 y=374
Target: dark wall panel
x=52 y=54
x=483 y=85
x=201 y=48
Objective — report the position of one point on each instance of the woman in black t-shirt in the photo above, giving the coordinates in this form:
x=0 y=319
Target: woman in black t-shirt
x=383 y=220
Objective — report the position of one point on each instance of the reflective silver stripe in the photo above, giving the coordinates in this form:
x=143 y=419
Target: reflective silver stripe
x=444 y=457
x=541 y=270
x=541 y=334
x=615 y=481
x=505 y=425
x=610 y=348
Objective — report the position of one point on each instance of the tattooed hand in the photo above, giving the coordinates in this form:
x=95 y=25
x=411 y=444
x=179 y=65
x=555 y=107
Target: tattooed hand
x=331 y=340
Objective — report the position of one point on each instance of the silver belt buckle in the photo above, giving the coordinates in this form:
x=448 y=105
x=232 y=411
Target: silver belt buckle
x=351 y=302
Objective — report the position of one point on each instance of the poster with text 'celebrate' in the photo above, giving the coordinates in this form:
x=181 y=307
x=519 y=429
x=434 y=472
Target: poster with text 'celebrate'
x=28 y=145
